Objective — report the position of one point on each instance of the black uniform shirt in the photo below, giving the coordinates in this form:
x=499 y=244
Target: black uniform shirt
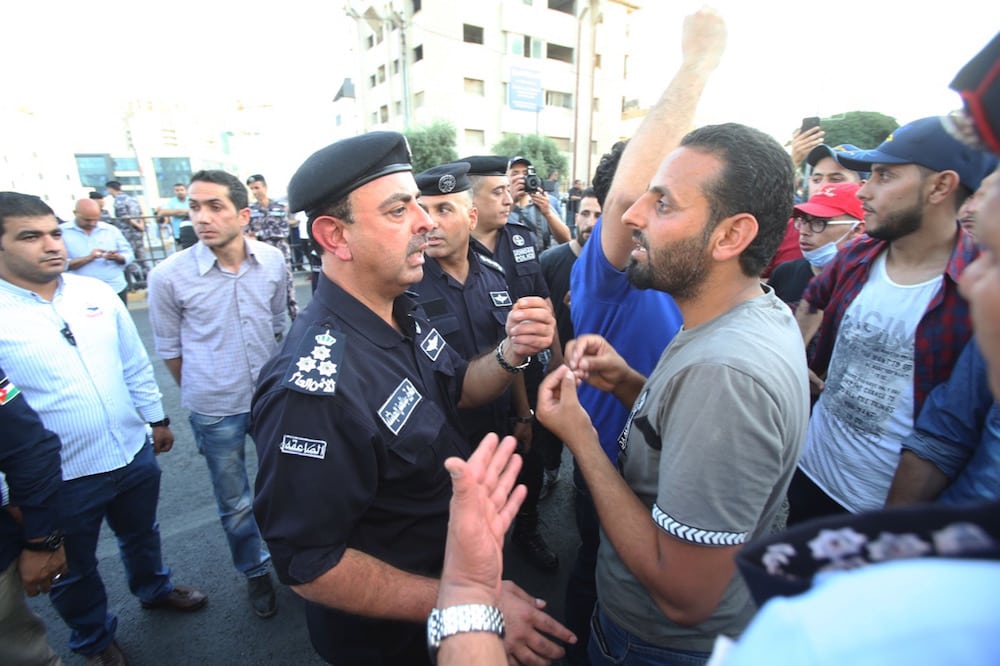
x=472 y=318
x=352 y=422
x=515 y=251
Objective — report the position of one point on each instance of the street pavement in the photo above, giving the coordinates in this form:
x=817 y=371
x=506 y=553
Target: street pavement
x=226 y=631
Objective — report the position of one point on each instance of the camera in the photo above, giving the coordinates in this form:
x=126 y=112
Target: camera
x=532 y=183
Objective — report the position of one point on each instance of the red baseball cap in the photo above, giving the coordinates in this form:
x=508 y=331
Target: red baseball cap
x=833 y=200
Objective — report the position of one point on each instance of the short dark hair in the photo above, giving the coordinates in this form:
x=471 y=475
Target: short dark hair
x=114 y=184
x=95 y=195
x=15 y=204
x=339 y=208
x=589 y=193
x=237 y=191
x=256 y=178
x=757 y=178
x=605 y=171
x=180 y=185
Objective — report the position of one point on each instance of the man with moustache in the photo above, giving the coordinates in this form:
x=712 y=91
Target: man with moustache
x=97 y=249
x=71 y=347
x=890 y=321
x=464 y=294
x=713 y=434
x=221 y=304
x=355 y=415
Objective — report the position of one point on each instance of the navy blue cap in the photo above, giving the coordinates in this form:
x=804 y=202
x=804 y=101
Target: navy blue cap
x=486 y=165
x=256 y=178
x=517 y=158
x=342 y=167
x=924 y=142
x=444 y=179
x=833 y=152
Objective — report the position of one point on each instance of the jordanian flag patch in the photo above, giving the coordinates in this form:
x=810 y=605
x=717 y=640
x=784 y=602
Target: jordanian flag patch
x=7 y=391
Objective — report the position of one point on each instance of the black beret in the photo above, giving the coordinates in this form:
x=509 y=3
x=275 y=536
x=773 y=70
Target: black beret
x=444 y=179
x=342 y=167
x=256 y=178
x=486 y=165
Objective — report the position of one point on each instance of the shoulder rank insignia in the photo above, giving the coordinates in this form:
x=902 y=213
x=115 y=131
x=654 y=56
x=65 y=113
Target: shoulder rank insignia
x=486 y=261
x=315 y=366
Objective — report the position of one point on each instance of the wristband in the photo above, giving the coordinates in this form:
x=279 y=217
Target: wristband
x=445 y=622
x=514 y=369
x=162 y=423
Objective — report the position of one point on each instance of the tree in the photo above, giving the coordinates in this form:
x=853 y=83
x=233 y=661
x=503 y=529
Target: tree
x=864 y=129
x=432 y=145
x=542 y=151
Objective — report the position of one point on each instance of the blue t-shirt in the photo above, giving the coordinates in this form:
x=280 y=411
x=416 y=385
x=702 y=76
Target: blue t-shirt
x=639 y=323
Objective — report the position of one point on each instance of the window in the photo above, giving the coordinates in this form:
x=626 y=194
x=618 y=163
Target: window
x=374 y=118
x=371 y=81
x=418 y=99
x=125 y=164
x=567 y=6
x=561 y=142
x=383 y=113
x=474 y=137
x=557 y=52
x=94 y=170
x=170 y=170
x=472 y=34
x=398 y=108
x=370 y=41
x=595 y=105
x=381 y=73
x=380 y=35
x=339 y=120
x=395 y=66
x=597 y=61
x=561 y=99
x=418 y=53
x=416 y=6
x=475 y=87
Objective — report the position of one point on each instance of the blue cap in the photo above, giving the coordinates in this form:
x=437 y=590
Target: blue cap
x=333 y=172
x=924 y=142
x=444 y=179
x=834 y=153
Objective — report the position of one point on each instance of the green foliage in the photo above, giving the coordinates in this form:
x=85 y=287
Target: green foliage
x=864 y=129
x=542 y=151
x=432 y=145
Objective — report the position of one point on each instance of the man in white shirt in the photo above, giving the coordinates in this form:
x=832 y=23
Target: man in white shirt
x=97 y=249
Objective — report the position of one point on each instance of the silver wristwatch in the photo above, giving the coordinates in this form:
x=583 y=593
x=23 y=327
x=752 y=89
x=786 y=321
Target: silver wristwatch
x=445 y=622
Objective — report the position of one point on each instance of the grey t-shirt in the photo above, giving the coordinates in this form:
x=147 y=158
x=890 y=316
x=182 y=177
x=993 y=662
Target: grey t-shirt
x=710 y=447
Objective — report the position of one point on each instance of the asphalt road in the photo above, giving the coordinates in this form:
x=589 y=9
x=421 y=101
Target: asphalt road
x=226 y=631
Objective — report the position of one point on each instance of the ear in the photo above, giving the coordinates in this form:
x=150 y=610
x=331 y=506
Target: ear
x=732 y=235
x=330 y=233
x=858 y=230
x=941 y=185
x=473 y=217
x=243 y=215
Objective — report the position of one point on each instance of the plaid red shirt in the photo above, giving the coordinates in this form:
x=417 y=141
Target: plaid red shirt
x=941 y=333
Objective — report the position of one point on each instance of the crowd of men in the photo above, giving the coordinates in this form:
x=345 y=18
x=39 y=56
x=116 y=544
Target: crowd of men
x=721 y=359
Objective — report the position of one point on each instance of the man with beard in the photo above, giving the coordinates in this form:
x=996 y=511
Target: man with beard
x=712 y=438
x=356 y=414
x=890 y=321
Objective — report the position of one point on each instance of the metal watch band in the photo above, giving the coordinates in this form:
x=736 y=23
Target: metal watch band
x=445 y=622
x=507 y=366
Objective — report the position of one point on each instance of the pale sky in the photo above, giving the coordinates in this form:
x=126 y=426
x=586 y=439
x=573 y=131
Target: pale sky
x=785 y=58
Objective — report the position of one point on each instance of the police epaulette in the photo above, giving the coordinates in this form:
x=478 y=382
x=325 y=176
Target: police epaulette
x=315 y=366
x=486 y=261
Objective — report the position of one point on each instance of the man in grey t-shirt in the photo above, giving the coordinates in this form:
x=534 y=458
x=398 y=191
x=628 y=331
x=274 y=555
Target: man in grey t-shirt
x=714 y=433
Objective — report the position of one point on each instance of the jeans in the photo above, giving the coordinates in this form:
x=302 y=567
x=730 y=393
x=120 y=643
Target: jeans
x=222 y=440
x=127 y=497
x=610 y=644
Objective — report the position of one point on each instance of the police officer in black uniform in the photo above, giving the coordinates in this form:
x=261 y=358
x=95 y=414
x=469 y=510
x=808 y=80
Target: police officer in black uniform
x=355 y=415
x=464 y=294
x=512 y=245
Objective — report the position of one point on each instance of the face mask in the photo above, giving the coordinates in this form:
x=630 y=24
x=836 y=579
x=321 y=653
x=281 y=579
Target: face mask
x=824 y=254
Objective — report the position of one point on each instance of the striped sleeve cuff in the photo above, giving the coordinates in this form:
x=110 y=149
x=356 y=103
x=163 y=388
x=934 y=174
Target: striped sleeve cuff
x=677 y=529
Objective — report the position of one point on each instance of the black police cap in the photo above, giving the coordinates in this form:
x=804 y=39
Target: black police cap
x=337 y=170
x=444 y=179
x=486 y=165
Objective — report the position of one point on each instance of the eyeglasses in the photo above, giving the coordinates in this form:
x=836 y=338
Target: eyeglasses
x=817 y=225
